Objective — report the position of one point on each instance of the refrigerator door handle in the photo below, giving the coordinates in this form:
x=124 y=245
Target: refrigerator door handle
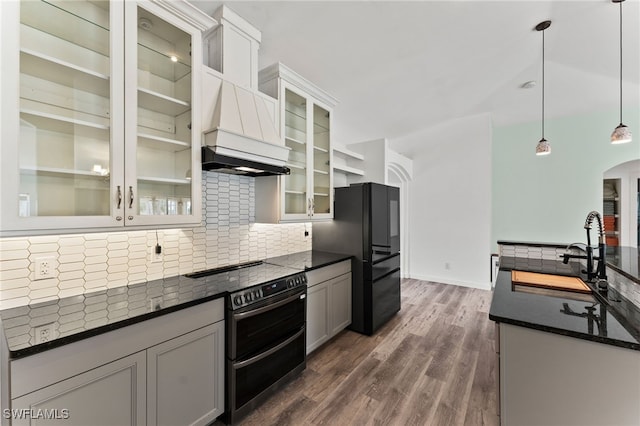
x=382 y=251
x=385 y=275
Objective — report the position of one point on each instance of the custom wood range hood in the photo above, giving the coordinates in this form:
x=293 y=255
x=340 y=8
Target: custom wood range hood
x=243 y=139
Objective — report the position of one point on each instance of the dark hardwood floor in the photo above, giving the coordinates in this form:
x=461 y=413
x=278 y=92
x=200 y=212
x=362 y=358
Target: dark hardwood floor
x=432 y=364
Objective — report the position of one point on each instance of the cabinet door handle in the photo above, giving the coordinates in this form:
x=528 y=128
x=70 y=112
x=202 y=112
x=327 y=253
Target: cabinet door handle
x=119 y=197
x=313 y=206
x=131 y=197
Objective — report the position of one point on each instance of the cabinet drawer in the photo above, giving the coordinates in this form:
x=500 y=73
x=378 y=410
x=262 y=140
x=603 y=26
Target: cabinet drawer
x=378 y=269
x=320 y=275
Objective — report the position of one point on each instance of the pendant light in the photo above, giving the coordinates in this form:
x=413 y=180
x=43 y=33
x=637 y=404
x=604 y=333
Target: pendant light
x=621 y=134
x=543 y=147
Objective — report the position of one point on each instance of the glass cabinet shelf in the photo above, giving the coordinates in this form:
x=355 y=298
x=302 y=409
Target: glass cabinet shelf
x=72 y=22
x=53 y=171
x=296 y=167
x=164 y=180
x=294 y=141
x=296 y=145
x=64 y=73
x=58 y=123
x=297 y=111
x=155 y=101
x=162 y=143
x=161 y=64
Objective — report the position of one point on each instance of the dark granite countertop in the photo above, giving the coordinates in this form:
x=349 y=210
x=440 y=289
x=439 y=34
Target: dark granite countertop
x=307 y=260
x=78 y=317
x=625 y=260
x=562 y=313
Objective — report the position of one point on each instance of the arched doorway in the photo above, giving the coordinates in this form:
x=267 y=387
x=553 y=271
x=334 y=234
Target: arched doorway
x=399 y=176
x=621 y=198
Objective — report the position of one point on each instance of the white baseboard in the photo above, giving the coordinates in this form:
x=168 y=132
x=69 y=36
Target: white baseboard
x=445 y=280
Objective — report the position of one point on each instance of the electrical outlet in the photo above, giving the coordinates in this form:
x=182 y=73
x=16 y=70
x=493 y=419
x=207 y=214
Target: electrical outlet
x=44 y=333
x=155 y=303
x=155 y=256
x=44 y=268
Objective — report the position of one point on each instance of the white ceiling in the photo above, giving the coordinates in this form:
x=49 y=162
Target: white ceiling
x=398 y=68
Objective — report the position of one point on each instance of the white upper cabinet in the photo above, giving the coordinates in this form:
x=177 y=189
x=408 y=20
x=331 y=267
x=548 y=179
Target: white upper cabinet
x=97 y=128
x=305 y=125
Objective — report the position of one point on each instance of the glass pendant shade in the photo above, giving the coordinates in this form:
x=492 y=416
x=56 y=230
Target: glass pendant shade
x=621 y=134
x=543 y=147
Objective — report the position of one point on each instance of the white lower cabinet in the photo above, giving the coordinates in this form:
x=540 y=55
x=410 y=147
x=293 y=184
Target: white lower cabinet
x=167 y=370
x=112 y=394
x=317 y=316
x=183 y=375
x=328 y=303
x=340 y=297
x=550 y=379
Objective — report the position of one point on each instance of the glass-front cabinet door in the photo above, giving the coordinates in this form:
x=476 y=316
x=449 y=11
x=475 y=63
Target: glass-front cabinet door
x=159 y=155
x=306 y=192
x=58 y=122
x=322 y=186
x=296 y=197
x=97 y=127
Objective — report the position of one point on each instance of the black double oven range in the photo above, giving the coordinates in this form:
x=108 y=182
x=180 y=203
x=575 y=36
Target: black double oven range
x=265 y=331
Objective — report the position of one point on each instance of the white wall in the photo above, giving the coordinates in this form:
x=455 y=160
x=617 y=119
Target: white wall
x=450 y=202
x=546 y=199
x=375 y=164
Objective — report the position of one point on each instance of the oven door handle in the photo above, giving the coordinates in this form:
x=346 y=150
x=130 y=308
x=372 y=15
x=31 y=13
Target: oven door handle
x=239 y=365
x=269 y=307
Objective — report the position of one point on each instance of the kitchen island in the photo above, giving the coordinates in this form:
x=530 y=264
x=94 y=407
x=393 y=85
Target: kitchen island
x=564 y=358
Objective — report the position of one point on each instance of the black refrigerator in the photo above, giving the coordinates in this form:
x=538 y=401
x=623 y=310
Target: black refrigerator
x=366 y=225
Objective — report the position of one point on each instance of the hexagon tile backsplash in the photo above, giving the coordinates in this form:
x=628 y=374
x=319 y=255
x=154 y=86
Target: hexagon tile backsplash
x=81 y=263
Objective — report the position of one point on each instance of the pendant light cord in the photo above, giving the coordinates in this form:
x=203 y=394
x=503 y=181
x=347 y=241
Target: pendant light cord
x=620 y=62
x=542 y=84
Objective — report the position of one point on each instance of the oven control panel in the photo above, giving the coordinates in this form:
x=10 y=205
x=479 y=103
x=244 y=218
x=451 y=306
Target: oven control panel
x=251 y=295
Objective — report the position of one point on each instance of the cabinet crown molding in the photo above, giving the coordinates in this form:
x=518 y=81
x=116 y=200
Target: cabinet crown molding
x=280 y=70
x=225 y=15
x=188 y=12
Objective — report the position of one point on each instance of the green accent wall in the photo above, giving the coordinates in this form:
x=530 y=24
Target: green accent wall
x=547 y=198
